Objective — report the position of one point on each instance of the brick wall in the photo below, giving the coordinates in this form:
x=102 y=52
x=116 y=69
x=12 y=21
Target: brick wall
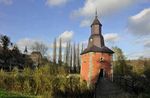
x=96 y=66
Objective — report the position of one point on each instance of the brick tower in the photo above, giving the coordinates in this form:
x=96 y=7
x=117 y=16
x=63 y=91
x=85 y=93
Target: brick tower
x=96 y=58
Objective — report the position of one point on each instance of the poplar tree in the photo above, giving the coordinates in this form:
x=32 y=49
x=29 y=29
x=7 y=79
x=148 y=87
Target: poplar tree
x=74 y=58
x=66 y=54
x=54 y=51
x=70 y=61
x=60 y=53
x=82 y=48
x=78 y=58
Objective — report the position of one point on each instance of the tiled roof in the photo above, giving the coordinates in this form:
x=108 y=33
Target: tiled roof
x=36 y=52
x=103 y=49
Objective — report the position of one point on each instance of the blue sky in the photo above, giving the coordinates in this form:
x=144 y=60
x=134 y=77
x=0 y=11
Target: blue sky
x=126 y=23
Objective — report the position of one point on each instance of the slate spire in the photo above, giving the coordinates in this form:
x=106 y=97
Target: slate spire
x=96 y=37
x=26 y=50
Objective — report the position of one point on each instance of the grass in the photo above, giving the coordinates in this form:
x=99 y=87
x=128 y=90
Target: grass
x=6 y=94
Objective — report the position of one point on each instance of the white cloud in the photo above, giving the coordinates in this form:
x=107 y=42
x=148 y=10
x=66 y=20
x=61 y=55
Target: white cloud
x=147 y=43
x=6 y=2
x=111 y=37
x=135 y=55
x=144 y=41
x=25 y=42
x=105 y=7
x=139 y=24
x=85 y=22
x=56 y=2
x=65 y=37
x=22 y=43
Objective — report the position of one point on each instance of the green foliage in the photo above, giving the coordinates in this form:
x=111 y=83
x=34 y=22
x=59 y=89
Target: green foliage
x=47 y=80
x=5 y=40
x=5 y=94
x=147 y=68
x=120 y=65
x=147 y=72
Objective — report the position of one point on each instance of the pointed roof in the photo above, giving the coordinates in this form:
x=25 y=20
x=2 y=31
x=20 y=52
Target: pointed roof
x=26 y=49
x=96 y=21
x=93 y=47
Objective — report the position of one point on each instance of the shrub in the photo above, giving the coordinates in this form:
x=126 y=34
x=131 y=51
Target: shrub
x=47 y=80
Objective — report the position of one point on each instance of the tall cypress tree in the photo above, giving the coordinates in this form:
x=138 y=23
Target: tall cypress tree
x=60 y=53
x=70 y=61
x=78 y=58
x=54 y=51
x=66 y=54
x=82 y=48
x=74 y=58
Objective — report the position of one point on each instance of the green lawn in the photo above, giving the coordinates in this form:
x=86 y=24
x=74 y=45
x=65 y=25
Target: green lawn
x=5 y=94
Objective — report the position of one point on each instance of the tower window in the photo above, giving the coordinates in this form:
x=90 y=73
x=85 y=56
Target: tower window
x=91 y=40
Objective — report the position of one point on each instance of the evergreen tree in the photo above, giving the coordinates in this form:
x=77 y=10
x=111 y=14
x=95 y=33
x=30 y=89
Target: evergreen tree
x=82 y=48
x=74 y=58
x=60 y=53
x=70 y=58
x=78 y=58
x=5 y=41
x=6 y=53
x=54 y=51
x=66 y=54
x=17 y=56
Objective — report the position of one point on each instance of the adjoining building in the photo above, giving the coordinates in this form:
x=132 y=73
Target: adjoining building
x=36 y=58
x=96 y=58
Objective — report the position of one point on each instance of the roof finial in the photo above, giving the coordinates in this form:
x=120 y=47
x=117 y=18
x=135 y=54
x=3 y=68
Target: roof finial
x=26 y=49
x=96 y=13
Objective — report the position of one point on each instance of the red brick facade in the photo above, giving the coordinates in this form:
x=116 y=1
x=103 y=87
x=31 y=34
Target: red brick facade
x=97 y=65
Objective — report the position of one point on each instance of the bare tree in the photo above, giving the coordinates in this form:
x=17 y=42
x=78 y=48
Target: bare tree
x=40 y=47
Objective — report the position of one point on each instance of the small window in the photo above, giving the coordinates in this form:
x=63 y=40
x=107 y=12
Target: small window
x=91 y=40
